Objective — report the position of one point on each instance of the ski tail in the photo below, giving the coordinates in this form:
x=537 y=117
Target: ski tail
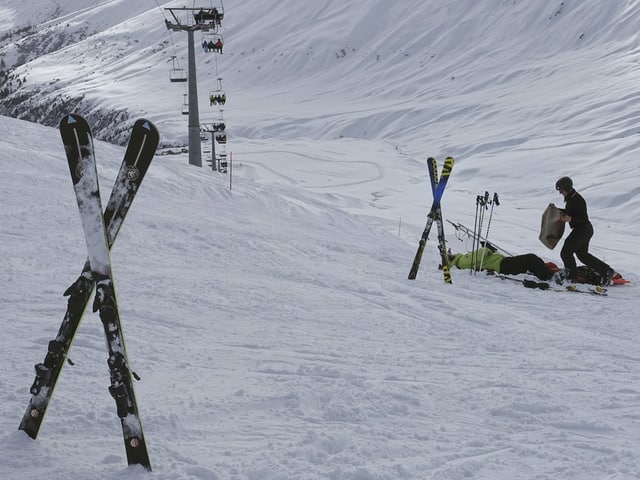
x=48 y=372
x=413 y=273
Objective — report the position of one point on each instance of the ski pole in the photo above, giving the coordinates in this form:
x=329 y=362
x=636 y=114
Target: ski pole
x=495 y=202
x=473 y=240
x=477 y=234
x=483 y=206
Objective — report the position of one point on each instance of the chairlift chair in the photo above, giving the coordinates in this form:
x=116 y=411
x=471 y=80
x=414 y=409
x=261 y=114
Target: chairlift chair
x=210 y=16
x=211 y=35
x=177 y=75
x=185 y=105
x=219 y=125
x=217 y=97
x=209 y=39
x=222 y=161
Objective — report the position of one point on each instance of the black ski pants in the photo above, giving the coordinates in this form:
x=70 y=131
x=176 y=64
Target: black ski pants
x=528 y=263
x=577 y=243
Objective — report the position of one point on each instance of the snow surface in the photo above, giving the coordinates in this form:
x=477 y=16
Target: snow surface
x=272 y=323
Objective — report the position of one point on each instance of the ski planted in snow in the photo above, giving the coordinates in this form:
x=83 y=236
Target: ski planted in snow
x=435 y=215
x=442 y=244
x=139 y=153
x=78 y=143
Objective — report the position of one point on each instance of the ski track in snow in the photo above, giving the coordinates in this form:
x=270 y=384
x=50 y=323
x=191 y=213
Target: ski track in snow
x=273 y=326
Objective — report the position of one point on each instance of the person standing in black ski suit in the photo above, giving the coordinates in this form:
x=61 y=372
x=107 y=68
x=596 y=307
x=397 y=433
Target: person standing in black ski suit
x=577 y=243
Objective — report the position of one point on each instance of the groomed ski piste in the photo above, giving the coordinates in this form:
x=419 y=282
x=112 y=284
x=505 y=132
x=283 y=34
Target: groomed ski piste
x=272 y=325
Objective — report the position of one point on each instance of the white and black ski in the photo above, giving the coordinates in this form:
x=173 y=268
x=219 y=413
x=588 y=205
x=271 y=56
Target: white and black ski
x=79 y=148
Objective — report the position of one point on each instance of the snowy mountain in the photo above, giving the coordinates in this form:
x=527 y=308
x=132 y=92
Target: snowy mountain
x=268 y=311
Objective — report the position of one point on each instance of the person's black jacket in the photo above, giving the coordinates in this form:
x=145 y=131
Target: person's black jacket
x=576 y=208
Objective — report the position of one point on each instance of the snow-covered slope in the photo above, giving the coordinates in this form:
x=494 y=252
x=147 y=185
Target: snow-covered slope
x=277 y=337
x=272 y=324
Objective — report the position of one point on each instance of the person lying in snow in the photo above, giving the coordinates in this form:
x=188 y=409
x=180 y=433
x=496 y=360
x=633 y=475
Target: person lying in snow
x=496 y=262
x=528 y=263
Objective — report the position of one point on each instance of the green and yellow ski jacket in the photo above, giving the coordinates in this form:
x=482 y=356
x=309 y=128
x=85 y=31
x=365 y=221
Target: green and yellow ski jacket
x=491 y=260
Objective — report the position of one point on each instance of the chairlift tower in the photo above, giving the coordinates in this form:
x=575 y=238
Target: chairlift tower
x=217 y=129
x=209 y=129
x=195 y=21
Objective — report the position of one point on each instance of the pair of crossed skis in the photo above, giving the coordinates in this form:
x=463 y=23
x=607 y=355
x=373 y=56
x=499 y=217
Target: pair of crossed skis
x=435 y=215
x=78 y=142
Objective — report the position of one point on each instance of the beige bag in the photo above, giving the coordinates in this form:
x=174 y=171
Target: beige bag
x=552 y=227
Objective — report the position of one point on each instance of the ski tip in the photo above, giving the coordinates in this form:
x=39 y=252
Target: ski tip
x=71 y=119
x=66 y=120
x=146 y=124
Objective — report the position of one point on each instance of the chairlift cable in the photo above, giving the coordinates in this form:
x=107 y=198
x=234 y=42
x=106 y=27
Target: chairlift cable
x=173 y=45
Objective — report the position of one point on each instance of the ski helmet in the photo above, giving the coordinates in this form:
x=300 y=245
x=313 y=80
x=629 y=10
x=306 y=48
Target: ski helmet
x=565 y=183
